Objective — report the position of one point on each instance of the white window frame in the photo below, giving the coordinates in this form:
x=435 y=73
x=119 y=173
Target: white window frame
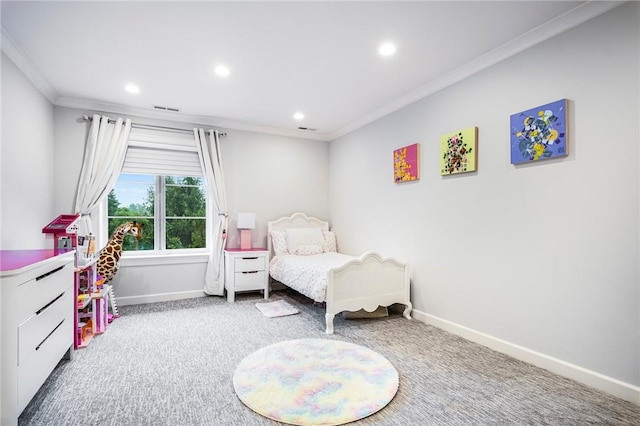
x=162 y=254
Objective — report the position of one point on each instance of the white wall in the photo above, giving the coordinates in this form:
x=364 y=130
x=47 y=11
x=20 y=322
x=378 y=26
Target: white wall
x=268 y=175
x=544 y=256
x=274 y=176
x=26 y=170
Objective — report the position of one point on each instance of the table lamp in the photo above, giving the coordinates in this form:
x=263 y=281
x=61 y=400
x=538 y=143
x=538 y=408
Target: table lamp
x=246 y=222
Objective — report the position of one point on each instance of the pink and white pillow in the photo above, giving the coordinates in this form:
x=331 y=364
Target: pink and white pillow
x=279 y=243
x=330 y=244
x=303 y=241
x=297 y=237
x=308 y=250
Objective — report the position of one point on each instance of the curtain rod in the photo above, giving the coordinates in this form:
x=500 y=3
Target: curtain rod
x=153 y=126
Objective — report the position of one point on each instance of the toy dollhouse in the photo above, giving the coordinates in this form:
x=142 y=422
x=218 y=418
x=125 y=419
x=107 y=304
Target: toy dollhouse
x=92 y=298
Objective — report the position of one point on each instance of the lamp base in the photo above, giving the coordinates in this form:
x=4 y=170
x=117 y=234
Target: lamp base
x=245 y=239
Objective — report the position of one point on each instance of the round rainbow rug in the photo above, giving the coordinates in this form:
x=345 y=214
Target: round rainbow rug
x=315 y=382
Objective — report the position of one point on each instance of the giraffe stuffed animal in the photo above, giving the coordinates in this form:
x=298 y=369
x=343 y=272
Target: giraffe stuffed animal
x=108 y=262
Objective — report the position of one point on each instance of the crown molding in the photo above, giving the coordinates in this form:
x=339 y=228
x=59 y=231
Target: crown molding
x=27 y=67
x=570 y=19
x=190 y=119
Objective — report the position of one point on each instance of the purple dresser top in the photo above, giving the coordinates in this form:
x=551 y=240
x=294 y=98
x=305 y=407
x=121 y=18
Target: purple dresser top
x=17 y=259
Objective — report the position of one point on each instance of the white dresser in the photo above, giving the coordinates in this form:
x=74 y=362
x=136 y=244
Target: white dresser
x=36 y=308
x=246 y=270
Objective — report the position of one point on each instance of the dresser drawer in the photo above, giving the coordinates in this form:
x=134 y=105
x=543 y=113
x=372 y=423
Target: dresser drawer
x=34 y=332
x=35 y=370
x=249 y=280
x=35 y=294
x=249 y=264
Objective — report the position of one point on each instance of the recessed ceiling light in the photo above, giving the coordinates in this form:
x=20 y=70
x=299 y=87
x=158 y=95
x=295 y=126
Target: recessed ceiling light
x=132 y=88
x=387 y=49
x=298 y=116
x=221 y=70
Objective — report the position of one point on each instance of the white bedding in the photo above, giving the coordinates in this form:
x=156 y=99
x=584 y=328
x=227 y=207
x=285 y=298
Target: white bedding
x=306 y=274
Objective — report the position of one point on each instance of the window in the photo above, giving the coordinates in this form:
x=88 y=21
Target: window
x=161 y=185
x=172 y=210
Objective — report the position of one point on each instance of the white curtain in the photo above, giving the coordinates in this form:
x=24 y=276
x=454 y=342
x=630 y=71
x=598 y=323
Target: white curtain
x=217 y=222
x=103 y=158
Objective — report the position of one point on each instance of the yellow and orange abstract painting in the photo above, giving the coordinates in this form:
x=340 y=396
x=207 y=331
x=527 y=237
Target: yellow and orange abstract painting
x=406 y=163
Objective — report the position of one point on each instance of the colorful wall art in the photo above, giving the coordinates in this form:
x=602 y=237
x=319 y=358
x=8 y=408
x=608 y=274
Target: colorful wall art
x=406 y=163
x=459 y=152
x=539 y=133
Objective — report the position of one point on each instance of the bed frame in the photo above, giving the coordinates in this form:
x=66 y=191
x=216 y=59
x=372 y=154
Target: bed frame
x=365 y=283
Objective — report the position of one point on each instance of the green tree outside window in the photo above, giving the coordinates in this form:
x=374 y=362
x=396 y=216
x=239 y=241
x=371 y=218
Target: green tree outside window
x=183 y=218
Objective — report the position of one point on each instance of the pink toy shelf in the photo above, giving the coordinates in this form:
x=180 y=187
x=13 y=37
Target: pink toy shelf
x=64 y=229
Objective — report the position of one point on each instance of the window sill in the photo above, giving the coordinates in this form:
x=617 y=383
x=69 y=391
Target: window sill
x=152 y=259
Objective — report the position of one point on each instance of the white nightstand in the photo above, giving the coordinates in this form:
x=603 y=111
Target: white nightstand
x=246 y=270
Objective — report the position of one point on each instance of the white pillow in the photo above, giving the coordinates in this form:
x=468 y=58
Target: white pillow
x=303 y=237
x=330 y=244
x=279 y=243
x=308 y=250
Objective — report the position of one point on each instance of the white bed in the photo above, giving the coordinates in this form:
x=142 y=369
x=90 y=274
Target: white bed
x=345 y=283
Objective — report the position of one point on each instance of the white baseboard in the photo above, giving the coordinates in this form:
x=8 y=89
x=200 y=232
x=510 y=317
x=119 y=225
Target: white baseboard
x=596 y=380
x=159 y=297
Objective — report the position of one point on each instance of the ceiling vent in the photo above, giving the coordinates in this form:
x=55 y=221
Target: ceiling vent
x=163 y=108
x=307 y=129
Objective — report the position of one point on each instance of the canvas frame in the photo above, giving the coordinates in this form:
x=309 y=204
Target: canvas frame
x=459 y=152
x=406 y=163
x=540 y=133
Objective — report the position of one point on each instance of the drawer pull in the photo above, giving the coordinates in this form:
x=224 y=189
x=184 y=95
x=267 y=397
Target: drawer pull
x=39 y=311
x=250 y=258
x=250 y=272
x=52 y=331
x=49 y=273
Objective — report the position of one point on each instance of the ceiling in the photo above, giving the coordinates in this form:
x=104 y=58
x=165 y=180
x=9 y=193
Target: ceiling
x=319 y=58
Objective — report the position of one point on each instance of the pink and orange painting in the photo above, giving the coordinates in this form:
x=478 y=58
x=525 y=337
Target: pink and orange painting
x=406 y=163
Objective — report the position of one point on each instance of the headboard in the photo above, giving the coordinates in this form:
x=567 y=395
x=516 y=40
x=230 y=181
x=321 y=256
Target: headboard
x=296 y=220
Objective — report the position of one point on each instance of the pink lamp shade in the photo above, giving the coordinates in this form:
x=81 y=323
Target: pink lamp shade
x=246 y=222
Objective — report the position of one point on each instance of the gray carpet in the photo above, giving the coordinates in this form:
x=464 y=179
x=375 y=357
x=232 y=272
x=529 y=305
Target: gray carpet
x=172 y=363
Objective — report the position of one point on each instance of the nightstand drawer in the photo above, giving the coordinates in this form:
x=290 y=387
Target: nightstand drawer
x=249 y=264
x=246 y=270
x=249 y=281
